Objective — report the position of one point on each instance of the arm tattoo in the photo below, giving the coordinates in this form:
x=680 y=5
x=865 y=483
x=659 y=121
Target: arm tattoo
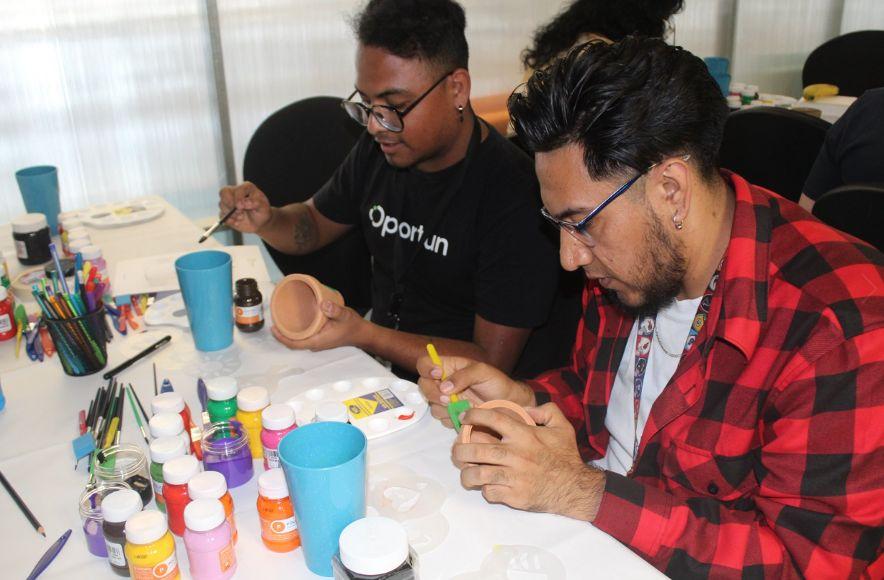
x=304 y=233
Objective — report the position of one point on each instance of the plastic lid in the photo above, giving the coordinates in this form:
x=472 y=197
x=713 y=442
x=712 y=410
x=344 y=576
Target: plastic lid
x=271 y=484
x=77 y=232
x=373 y=546
x=221 y=388
x=207 y=485
x=146 y=527
x=76 y=246
x=3 y=293
x=178 y=471
x=202 y=515
x=167 y=403
x=165 y=425
x=252 y=399
x=166 y=448
x=278 y=417
x=29 y=222
x=119 y=506
x=91 y=252
x=332 y=411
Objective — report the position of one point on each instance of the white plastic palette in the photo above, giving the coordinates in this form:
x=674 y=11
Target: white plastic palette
x=370 y=413
x=122 y=214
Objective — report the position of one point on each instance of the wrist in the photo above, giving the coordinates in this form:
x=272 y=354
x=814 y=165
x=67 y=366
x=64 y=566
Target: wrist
x=268 y=225
x=364 y=335
x=589 y=490
x=523 y=395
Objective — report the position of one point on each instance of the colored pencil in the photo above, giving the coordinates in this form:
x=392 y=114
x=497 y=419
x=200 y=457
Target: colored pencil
x=22 y=506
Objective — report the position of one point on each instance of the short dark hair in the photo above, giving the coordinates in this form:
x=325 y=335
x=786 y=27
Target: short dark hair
x=628 y=105
x=430 y=30
x=613 y=19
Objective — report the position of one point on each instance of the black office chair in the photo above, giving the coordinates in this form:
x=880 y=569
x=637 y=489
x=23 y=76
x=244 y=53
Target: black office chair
x=290 y=156
x=853 y=61
x=772 y=147
x=857 y=209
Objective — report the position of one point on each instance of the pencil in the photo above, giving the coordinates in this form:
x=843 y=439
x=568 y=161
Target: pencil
x=22 y=506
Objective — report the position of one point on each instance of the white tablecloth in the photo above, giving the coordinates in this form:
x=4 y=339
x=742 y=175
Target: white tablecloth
x=40 y=421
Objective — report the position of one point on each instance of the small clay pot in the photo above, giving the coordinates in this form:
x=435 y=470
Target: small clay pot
x=468 y=432
x=295 y=308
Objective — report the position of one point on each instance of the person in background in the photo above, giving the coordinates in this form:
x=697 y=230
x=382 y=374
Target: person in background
x=726 y=384
x=447 y=206
x=853 y=151
x=604 y=20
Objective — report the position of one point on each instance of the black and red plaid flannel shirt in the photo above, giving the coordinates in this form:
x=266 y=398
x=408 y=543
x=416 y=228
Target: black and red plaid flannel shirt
x=764 y=455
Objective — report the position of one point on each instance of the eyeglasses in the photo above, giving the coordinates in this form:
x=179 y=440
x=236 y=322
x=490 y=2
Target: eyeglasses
x=578 y=229
x=390 y=118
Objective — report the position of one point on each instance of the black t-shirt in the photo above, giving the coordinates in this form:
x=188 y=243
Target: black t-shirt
x=476 y=249
x=853 y=151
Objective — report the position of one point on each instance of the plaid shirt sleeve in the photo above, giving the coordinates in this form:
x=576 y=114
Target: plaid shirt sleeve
x=819 y=512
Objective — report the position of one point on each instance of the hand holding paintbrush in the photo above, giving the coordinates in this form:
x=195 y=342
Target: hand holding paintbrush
x=230 y=198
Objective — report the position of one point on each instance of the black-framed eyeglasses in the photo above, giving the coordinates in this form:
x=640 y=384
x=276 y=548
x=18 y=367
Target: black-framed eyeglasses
x=578 y=229
x=390 y=118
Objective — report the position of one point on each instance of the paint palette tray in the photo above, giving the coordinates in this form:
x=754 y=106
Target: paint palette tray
x=378 y=406
x=122 y=214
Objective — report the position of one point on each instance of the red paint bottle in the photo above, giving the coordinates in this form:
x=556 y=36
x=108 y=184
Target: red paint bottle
x=7 y=319
x=176 y=474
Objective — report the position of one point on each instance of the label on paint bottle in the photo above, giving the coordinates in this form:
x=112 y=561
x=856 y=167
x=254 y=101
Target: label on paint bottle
x=5 y=323
x=280 y=530
x=227 y=558
x=165 y=569
x=249 y=314
x=272 y=458
x=158 y=491
x=21 y=250
x=115 y=554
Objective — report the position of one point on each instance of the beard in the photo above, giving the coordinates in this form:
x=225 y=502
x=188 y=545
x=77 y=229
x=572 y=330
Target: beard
x=660 y=276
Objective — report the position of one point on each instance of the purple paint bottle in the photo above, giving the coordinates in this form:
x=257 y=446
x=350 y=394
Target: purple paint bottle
x=226 y=450
x=90 y=514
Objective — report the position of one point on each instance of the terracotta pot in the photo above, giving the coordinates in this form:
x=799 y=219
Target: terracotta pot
x=294 y=305
x=481 y=435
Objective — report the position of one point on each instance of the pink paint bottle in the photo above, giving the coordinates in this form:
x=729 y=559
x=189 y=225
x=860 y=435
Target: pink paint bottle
x=277 y=422
x=208 y=540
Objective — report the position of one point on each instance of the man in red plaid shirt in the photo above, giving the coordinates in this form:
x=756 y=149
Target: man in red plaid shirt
x=727 y=382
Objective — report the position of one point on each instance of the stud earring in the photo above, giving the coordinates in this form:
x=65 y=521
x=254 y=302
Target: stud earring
x=679 y=225
x=460 y=112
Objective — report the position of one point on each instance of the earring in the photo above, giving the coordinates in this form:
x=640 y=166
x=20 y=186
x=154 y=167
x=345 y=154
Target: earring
x=460 y=112
x=679 y=225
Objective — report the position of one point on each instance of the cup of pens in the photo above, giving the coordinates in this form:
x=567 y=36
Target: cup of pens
x=76 y=322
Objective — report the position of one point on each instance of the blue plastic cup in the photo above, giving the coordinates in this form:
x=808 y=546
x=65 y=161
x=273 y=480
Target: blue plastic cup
x=206 y=281
x=39 y=191
x=324 y=465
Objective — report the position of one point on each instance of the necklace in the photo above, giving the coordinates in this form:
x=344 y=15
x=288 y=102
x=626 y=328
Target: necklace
x=660 y=342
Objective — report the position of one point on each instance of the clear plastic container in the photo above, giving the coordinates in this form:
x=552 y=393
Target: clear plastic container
x=128 y=464
x=90 y=514
x=226 y=450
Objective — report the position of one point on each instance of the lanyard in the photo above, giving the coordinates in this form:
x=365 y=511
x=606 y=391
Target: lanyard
x=643 y=338
x=401 y=259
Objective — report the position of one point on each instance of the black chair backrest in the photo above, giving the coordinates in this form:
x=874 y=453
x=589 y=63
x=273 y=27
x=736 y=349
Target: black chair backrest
x=853 y=61
x=856 y=209
x=772 y=147
x=290 y=156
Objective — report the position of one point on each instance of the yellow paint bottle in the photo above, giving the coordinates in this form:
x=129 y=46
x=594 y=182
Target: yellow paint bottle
x=249 y=404
x=150 y=549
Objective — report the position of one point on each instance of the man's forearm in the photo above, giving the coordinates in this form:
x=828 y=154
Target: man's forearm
x=291 y=230
x=404 y=348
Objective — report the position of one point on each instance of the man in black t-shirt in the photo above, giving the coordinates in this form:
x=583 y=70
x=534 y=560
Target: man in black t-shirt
x=449 y=208
x=853 y=151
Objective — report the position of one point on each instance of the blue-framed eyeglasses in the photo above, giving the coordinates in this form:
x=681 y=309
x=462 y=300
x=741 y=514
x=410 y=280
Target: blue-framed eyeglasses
x=390 y=118
x=578 y=229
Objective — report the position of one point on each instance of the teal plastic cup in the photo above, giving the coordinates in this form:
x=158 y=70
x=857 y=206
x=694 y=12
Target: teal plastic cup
x=39 y=191
x=206 y=281
x=324 y=466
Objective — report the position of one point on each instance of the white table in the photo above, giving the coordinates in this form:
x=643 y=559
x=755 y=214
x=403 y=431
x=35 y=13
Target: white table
x=41 y=419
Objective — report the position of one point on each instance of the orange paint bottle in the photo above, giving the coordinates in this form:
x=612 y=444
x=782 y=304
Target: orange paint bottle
x=279 y=530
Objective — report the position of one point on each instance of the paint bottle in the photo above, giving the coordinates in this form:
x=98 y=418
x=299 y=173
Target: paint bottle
x=279 y=530
x=66 y=222
x=150 y=548
x=331 y=411
x=7 y=317
x=176 y=473
x=169 y=425
x=172 y=402
x=248 y=307
x=126 y=463
x=221 y=392
x=278 y=421
x=250 y=402
x=90 y=514
x=226 y=450
x=212 y=485
x=115 y=510
x=161 y=451
x=93 y=255
x=208 y=541
x=30 y=232
x=374 y=548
